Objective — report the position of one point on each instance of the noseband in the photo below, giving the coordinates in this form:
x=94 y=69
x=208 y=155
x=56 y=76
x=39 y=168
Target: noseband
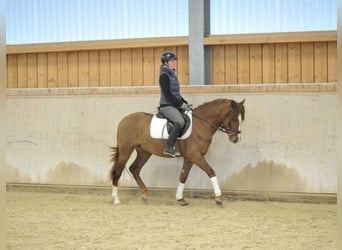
x=221 y=128
x=228 y=129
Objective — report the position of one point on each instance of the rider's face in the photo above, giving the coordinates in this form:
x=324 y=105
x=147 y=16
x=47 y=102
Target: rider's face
x=172 y=64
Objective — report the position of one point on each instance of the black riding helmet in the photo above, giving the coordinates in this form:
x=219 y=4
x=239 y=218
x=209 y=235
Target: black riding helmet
x=168 y=56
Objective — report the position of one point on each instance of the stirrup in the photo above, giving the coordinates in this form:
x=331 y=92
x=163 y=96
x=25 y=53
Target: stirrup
x=170 y=151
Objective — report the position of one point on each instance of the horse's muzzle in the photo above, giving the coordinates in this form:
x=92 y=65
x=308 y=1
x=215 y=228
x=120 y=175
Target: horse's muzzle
x=235 y=138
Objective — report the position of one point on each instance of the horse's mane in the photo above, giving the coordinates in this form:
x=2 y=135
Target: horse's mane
x=236 y=107
x=216 y=101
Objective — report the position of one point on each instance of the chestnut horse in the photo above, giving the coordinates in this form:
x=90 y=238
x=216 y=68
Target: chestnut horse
x=133 y=133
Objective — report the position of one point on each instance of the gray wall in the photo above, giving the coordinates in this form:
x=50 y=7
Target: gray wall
x=288 y=141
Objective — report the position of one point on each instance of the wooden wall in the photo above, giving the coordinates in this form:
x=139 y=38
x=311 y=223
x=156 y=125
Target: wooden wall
x=300 y=62
x=92 y=64
x=308 y=57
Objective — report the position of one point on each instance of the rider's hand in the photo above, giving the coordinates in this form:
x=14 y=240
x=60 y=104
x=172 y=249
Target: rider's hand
x=186 y=106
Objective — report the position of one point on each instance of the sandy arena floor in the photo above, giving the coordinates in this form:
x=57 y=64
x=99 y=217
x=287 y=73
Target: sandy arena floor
x=65 y=220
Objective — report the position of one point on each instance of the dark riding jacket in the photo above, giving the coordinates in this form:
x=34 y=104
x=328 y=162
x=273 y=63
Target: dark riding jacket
x=169 y=85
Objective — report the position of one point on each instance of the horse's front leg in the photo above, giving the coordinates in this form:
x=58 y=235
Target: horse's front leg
x=203 y=164
x=182 y=179
x=217 y=191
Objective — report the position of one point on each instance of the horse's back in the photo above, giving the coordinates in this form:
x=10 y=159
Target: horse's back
x=135 y=122
x=137 y=116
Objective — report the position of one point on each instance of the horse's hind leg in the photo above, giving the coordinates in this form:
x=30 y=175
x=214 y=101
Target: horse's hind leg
x=135 y=168
x=120 y=159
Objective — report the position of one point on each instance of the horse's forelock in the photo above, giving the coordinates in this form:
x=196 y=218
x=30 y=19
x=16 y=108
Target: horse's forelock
x=238 y=108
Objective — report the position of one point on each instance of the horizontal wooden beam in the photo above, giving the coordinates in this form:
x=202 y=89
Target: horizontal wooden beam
x=186 y=89
x=322 y=198
x=288 y=37
x=316 y=36
x=97 y=45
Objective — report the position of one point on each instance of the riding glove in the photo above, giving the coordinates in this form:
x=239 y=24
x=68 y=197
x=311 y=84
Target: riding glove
x=186 y=106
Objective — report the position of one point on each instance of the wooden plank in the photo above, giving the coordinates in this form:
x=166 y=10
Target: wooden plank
x=72 y=69
x=281 y=37
x=266 y=38
x=264 y=196
x=115 y=67
x=183 y=65
x=154 y=90
x=332 y=57
x=268 y=63
x=218 y=65
x=294 y=63
x=148 y=67
x=231 y=64
x=307 y=62
x=126 y=67
x=104 y=68
x=157 y=63
x=52 y=70
x=137 y=67
x=42 y=70
x=99 y=45
x=255 y=63
x=243 y=64
x=172 y=49
x=22 y=71
x=83 y=68
x=94 y=68
x=281 y=63
x=12 y=71
x=32 y=70
x=321 y=62
x=62 y=69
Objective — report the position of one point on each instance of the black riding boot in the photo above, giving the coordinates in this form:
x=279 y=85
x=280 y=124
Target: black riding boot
x=170 y=143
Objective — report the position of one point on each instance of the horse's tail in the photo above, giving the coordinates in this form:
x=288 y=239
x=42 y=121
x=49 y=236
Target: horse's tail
x=115 y=157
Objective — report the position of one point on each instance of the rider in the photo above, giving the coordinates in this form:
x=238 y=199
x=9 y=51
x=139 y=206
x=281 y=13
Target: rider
x=171 y=102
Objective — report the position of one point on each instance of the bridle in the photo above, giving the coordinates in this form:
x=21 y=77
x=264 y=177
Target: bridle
x=221 y=128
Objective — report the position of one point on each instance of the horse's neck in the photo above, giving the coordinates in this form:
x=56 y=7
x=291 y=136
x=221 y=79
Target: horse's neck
x=213 y=113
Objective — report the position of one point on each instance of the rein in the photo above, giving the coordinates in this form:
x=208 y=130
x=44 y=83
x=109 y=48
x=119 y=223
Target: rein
x=221 y=128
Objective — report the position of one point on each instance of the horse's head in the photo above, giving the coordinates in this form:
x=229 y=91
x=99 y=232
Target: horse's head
x=232 y=122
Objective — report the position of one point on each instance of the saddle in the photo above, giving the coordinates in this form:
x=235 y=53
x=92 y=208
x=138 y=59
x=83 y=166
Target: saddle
x=160 y=126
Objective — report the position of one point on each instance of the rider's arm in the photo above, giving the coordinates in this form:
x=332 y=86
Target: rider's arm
x=165 y=88
x=184 y=100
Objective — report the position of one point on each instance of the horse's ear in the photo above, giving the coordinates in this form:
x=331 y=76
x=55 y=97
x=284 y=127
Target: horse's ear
x=234 y=104
x=242 y=109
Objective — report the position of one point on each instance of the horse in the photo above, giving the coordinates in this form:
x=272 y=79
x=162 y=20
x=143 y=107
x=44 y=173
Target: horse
x=223 y=115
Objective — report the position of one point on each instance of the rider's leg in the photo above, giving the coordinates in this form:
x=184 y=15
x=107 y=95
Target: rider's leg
x=170 y=142
x=174 y=115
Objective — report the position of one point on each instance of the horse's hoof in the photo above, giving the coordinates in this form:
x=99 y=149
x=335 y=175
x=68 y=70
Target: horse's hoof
x=182 y=202
x=116 y=202
x=144 y=195
x=144 y=199
x=219 y=200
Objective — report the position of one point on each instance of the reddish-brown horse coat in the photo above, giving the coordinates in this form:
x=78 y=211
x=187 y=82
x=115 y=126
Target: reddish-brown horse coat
x=133 y=134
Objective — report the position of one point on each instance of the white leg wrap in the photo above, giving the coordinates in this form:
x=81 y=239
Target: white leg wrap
x=115 y=195
x=216 y=187
x=180 y=189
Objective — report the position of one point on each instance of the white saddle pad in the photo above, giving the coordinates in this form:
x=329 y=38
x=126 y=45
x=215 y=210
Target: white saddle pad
x=158 y=127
